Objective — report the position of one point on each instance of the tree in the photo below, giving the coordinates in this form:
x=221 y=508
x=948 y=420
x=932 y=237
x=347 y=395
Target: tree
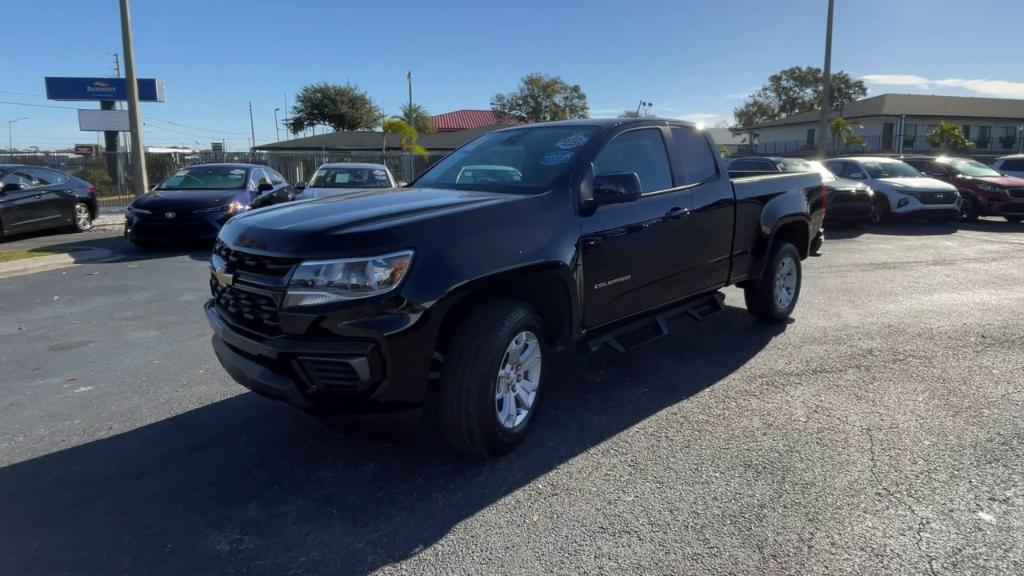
x=948 y=136
x=542 y=98
x=843 y=131
x=408 y=135
x=629 y=114
x=342 y=107
x=417 y=116
x=794 y=91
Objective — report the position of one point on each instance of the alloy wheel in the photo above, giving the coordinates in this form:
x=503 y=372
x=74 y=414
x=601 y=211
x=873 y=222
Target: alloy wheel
x=518 y=379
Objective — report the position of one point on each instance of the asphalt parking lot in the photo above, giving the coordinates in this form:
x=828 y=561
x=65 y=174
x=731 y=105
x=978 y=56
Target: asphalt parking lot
x=880 y=432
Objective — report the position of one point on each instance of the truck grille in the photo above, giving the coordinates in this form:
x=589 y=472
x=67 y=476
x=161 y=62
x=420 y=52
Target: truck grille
x=247 y=309
x=937 y=197
x=1016 y=192
x=255 y=263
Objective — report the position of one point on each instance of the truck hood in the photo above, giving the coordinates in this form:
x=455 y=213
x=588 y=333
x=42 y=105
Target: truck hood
x=1006 y=181
x=188 y=199
x=310 y=192
x=363 y=220
x=897 y=184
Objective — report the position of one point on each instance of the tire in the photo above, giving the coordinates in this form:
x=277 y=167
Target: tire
x=475 y=417
x=83 y=217
x=968 y=209
x=879 y=210
x=765 y=300
x=1014 y=219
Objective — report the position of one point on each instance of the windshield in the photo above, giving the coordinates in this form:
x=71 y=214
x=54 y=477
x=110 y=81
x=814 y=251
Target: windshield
x=890 y=170
x=826 y=174
x=350 y=177
x=522 y=160
x=795 y=165
x=972 y=168
x=206 y=178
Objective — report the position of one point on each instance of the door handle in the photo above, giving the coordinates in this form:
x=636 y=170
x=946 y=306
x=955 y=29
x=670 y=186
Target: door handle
x=591 y=242
x=38 y=196
x=677 y=213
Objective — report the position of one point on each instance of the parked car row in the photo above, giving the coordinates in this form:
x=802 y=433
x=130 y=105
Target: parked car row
x=876 y=189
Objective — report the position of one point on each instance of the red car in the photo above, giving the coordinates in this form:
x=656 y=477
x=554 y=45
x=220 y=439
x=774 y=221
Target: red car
x=983 y=191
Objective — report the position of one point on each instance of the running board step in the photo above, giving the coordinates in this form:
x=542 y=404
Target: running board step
x=635 y=335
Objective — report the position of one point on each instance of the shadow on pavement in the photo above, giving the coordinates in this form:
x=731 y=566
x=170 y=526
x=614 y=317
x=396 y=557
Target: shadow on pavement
x=897 y=228
x=247 y=485
x=80 y=247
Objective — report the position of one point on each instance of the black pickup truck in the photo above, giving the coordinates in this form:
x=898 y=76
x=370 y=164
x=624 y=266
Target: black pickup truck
x=524 y=239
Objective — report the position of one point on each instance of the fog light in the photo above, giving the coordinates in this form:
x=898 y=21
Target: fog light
x=903 y=202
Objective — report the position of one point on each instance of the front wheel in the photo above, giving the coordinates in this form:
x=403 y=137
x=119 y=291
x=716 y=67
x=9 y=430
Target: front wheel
x=491 y=378
x=879 y=211
x=83 y=217
x=773 y=297
x=968 y=209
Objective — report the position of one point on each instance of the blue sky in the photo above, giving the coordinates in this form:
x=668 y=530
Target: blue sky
x=692 y=59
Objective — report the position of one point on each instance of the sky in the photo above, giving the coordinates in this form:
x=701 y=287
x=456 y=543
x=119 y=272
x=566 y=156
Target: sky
x=693 y=59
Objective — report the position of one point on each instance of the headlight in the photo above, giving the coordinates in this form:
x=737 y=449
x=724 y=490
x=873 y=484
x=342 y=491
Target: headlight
x=326 y=281
x=991 y=188
x=234 y=208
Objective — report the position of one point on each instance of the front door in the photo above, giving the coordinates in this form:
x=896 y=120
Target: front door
x=630 y=252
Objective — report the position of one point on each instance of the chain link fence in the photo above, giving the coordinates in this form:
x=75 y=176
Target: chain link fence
x=111 y=173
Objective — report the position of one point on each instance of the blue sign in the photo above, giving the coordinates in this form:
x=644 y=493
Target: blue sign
x=150 y=90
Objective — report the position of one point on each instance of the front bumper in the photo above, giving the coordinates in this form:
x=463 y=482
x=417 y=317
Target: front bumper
x=371 y=371
x=849 y=207
x=180 y=228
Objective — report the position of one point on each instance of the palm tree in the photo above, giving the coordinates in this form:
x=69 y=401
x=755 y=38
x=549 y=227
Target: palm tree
x=948 y=136
x=417 y=116
x=408 y=135
x=843 y=131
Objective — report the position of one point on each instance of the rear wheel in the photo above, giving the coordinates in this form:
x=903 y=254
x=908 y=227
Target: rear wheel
x=968 y=209
x=1014 y=218
x=491 y=378
x=879 y=210
x=773 y=297
x=83 y=217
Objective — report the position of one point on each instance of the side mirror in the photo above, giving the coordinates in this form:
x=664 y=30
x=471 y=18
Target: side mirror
x=11 y=187
x=300 y=185
x=264 y=187
x=615 y=188
x=856 y=176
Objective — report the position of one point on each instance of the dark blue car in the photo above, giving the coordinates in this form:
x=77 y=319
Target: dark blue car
x=36 y=198
x=193 y=203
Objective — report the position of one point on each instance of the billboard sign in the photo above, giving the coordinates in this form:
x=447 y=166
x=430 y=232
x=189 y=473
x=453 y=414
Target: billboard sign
x=66 y=88
x=216 y=146
x=103 y=120
x=86 y=149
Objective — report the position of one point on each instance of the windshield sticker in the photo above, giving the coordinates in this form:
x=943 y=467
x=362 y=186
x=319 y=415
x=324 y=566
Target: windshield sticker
x=234 y=176
x=341 y=178
x=378 y=172
x=238 y=171
x=556 y=158
x=570 y=142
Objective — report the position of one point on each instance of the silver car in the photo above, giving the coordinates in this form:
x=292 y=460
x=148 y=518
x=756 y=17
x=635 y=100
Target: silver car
x=344 y=178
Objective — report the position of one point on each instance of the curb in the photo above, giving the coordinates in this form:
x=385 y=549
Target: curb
x=42 y=263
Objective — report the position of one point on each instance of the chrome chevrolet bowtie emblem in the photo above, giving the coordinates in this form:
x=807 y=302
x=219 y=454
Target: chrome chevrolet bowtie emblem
x=169 y=215
x=223 y=277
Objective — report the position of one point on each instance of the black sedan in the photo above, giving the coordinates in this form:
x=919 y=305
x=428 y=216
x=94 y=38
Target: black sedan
x=36 y=198
x=193 y=203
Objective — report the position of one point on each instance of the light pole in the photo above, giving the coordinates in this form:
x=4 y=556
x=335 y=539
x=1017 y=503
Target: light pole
x=10 y=139
x=140 y=182
x=826 y=89
x=277 y=129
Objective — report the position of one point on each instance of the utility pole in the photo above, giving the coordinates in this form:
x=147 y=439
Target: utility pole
x=252 y=128
x=140 y=182
x=408 y=77
x=826 y=89
x=288 y=131
x=277 y=128
x=10 y=139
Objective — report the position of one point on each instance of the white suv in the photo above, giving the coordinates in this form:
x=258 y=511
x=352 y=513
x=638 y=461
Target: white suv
x=1010 y=165
x=900 y=189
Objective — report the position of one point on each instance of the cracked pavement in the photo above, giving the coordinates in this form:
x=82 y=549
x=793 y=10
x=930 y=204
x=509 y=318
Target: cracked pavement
x=880 y=432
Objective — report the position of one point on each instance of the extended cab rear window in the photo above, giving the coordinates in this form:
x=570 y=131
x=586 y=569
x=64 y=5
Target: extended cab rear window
x=522 y=160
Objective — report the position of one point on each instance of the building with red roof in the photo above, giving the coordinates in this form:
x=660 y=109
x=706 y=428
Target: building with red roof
x=471 y=119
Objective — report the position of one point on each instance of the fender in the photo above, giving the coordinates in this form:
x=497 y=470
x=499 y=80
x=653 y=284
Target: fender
x=778 y=212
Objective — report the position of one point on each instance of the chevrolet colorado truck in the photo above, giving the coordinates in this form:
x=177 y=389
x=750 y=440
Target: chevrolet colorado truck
x=350 y=303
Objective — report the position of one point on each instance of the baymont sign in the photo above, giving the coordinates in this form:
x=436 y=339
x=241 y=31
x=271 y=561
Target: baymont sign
x=72 y=88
